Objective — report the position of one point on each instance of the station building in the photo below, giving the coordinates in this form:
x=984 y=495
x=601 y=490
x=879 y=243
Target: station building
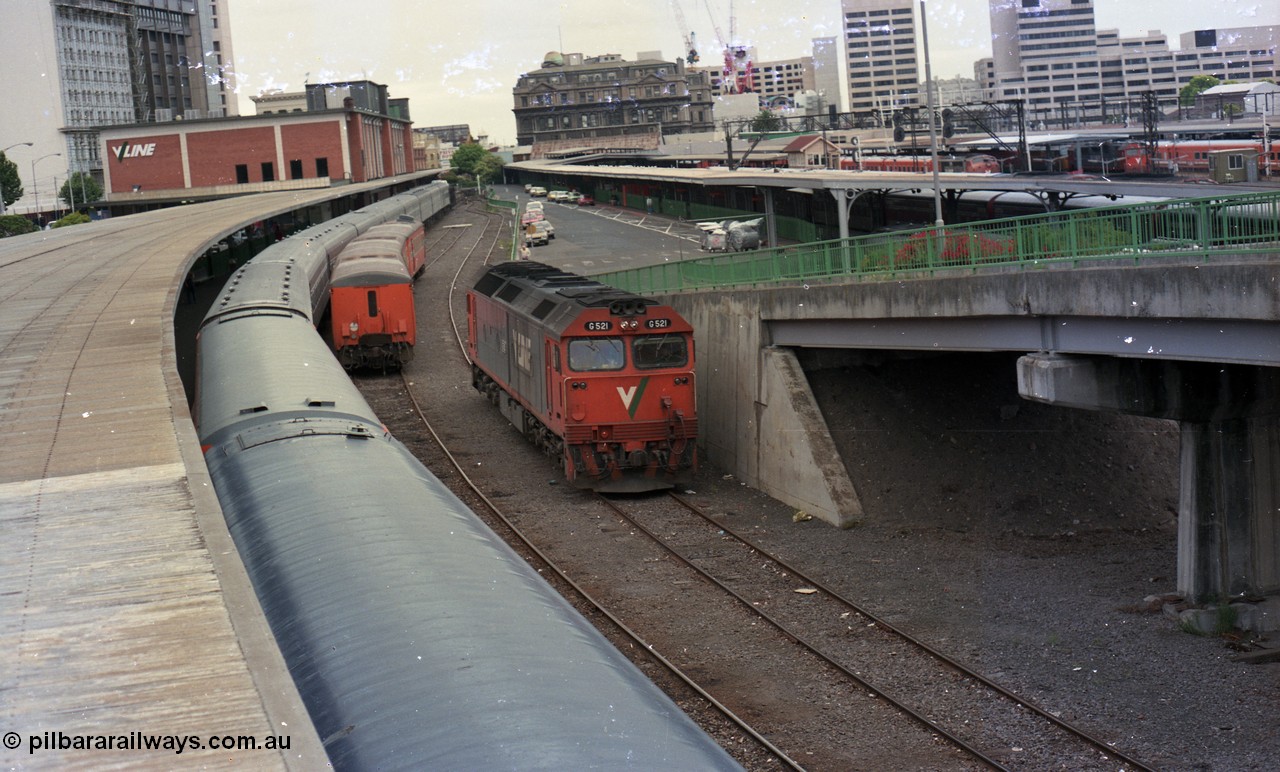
x=349 y=132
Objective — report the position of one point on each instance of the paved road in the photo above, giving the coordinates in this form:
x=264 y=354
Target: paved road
x=597 y=239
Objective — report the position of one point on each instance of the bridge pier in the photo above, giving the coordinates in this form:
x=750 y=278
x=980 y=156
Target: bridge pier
x=1229 y=489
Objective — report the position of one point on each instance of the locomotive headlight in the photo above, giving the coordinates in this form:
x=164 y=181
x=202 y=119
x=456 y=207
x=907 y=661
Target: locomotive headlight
x=354 y=327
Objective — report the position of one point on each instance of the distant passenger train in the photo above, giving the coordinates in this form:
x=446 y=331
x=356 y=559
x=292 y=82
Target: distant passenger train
x=597 y=377
x=976 y=163
x=371 y=305
x=1109 y=157
x=1191 y=157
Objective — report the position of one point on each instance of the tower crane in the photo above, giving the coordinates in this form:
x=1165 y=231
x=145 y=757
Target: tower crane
x=690 y=40
x=735 y=56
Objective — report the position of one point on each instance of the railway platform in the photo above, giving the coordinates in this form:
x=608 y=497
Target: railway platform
x=132 y=636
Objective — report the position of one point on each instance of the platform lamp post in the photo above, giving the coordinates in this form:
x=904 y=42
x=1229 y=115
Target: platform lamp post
x=7 y=149
x=33 y=179
x=933 y=128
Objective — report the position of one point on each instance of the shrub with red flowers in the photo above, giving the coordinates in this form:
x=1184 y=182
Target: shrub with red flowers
x=951 y=248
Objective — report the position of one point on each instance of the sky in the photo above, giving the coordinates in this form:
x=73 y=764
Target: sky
x=458 y=62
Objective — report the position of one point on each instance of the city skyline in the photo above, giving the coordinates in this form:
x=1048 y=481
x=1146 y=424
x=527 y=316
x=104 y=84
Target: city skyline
x=452 y=73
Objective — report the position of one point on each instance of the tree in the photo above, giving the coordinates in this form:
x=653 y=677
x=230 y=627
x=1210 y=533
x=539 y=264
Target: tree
x=80 y=189
x=10 y=183
x=1187 y=94
x=766 y=121
x=489 y=168
x=466 y=157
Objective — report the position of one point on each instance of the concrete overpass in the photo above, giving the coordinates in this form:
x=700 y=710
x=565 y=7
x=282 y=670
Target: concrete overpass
x=1189 y=335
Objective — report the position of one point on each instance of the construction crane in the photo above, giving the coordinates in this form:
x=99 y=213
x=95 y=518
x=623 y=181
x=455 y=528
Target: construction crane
x=690 y=39
x=735 y=56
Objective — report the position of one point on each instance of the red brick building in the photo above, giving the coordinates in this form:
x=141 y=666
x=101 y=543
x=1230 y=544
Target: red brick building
x=252 y=154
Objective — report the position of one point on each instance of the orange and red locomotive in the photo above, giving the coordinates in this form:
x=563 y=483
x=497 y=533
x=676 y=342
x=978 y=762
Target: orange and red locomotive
x=371 y=296
x=600 y=378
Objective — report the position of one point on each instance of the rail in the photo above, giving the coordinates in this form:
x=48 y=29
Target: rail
x=1199 y=227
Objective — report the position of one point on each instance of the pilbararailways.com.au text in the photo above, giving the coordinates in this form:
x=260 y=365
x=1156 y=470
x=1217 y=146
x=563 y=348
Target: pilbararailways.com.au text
x=141 y=741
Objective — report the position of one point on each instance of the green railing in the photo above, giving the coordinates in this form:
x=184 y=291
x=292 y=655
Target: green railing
x=1194 y=226
x=512 y=208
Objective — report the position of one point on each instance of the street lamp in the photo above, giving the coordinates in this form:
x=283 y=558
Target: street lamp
x=933 y=129
x=33 y=179
x=7 y=149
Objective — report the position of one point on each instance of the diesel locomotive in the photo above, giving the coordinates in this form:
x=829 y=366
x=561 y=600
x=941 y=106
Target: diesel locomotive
x=599 y=378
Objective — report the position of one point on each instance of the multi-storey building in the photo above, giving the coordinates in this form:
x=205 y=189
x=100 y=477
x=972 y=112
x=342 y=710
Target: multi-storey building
x=72 y=65
x=772 y=81
x=572 y=97
x=826 y=73
x=452 y=134
x=1050 y=54
x=217 y=57
x=881 y=54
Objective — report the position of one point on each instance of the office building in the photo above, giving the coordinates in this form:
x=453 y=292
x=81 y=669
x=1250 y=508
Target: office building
x=73 y=65
x=881 y=54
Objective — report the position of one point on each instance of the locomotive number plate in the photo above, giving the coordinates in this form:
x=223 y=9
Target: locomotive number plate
x=599 y=326
x=657 y=324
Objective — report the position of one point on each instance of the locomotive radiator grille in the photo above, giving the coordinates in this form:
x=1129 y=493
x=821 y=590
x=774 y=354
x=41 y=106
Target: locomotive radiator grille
x=631 y=431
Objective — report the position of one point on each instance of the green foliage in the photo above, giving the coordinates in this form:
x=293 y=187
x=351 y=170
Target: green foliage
x=489 y=168
x=80 y=188
x=466 y=158
x=1187 y=94
x=766 y=121
x=74 y=218
x=12 y=224
x=9 y=180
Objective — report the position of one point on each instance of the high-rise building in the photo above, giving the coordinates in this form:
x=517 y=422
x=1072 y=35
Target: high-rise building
x=72 y=65
x=826 y=73
x=881 y=54
x=1050 y=54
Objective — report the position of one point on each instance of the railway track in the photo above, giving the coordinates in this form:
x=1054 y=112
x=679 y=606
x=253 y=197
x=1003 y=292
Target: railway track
x=935 y=690
x=381 y=389
x=857 y=671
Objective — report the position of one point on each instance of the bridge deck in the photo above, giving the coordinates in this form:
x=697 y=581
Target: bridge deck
x=123 y=606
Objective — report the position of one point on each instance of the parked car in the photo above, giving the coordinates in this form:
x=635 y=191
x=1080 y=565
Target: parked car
x=537 y=191
x=538 y=233
x=585 y=200
x=533 y=206
x=530 y=217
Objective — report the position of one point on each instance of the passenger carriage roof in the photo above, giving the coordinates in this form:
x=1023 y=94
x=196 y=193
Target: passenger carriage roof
x=369 y=271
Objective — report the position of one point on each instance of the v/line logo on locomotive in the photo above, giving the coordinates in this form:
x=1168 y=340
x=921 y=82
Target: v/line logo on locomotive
x=631 y=394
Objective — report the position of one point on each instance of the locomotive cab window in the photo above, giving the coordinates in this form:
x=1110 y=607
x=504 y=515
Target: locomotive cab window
x=650 y=351
x=587 y=354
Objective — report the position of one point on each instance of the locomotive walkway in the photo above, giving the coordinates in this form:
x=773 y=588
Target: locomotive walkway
x=126 y=617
